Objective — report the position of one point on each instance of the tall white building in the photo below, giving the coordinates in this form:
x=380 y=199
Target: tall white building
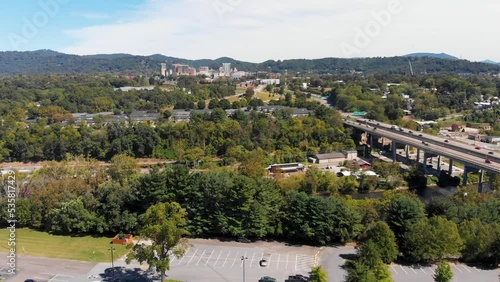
x=163 y=69
x=226 y=67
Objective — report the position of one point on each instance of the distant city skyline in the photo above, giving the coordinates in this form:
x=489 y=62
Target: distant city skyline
x=254 y=31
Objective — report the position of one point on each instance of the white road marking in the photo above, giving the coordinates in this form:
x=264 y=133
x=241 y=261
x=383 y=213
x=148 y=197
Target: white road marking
x=234 y=260
x=296 y=259
x=192 y=256
x=226 y=258
x=423 y=270
x=217 y=258
x=458 y=269
x=394 y=270
x=278 y=264
x=286 y=264
x=413 y=270
x=209 y=257
x=466 y=268
x=185 y=254
x=251 y=261
x=403 y=269
x=202 y=254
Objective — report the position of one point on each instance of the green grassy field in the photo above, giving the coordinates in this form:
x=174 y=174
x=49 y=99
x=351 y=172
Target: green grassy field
x=40 y=244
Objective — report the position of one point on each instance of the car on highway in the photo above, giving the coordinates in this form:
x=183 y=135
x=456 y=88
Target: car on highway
x=29 y=280
x=478 y=148
x=487 y=161
x=491 y=153
x=446 y=141
x=411 y=132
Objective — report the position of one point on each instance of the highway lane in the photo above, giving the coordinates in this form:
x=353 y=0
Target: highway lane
x=439 y=149
x=484 y=153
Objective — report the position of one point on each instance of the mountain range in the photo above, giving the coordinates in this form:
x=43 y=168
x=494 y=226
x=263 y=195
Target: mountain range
x=48 y=61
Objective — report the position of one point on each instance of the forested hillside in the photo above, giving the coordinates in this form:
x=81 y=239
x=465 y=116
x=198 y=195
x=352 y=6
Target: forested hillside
x=47 y=61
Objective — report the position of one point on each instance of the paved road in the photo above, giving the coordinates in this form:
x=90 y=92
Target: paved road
x=441 y=149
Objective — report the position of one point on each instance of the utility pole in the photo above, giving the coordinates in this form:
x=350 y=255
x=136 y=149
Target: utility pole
x=112 y=260
x=243 y=258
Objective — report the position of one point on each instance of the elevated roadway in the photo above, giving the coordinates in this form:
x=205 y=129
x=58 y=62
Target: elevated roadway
x=465 y=154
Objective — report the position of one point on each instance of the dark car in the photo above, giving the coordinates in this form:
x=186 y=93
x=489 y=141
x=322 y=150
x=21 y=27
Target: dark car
x=487 y=161
x=267 y=279
x=29 y=280
x=446 y=141
x=491 y=153
x=411 y=132
x=478 y=148
x=420 y=135
x=244 y=240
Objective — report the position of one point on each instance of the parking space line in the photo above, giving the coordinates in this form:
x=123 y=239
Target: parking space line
x=202 y=254
x=278 y=264
x=476 y=269
x=251 y=261
x=458 y=268
x=403 y=269
x=217 y=260
x=182 y=258
x=226 y=258
x=466 y=268
x=432 y=270
x=286 y=264
x=192 y=256
x=209 y=257
x=296 y=259
x=423 y=270
x=234 y=260
x=394 y=270
x=413 y=270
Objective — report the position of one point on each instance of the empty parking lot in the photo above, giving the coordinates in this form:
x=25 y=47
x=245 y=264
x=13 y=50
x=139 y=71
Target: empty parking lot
x=461 y=272
x=224 y=262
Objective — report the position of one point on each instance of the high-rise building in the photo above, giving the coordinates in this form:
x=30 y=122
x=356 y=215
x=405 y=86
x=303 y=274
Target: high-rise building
x=163 y=70
x=226 y=67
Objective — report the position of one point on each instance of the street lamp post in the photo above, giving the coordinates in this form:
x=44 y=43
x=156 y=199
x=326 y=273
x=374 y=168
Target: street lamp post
x=243 y=258
x=112 y=260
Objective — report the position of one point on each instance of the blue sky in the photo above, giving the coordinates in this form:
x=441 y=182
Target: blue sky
x=253 y=30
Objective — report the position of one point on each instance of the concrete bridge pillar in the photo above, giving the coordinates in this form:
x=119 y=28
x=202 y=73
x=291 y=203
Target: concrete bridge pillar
x=425 y=162
x=450 y=168
x=407 y=152
x=418 y=155
x=371 y=142
x=394 y=151
x=439 y=165
x=481 y=178
x=464 y=180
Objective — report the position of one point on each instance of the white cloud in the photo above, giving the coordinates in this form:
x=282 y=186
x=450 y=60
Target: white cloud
x=257 y=30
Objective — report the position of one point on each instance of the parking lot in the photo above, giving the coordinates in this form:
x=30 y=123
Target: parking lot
x=224 y=263
x=334 y=258
x=461 y=272
x=47 y=270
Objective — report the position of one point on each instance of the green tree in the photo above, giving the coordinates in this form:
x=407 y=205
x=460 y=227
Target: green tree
x=384 y=240
x=318 y=274
x=443 y=273
x=432 y=239
x=402 y=212
x=123 y=168
x=163 y=227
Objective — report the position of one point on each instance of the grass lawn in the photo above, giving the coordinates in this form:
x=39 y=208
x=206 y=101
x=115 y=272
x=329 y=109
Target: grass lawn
x=264 y=96
x=41 y=244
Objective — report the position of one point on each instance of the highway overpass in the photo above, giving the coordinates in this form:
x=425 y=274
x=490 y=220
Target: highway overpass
x=466 y=154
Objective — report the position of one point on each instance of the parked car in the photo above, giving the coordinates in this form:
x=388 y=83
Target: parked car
x=267 y=279
x=243 y=240
x=263 y=262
